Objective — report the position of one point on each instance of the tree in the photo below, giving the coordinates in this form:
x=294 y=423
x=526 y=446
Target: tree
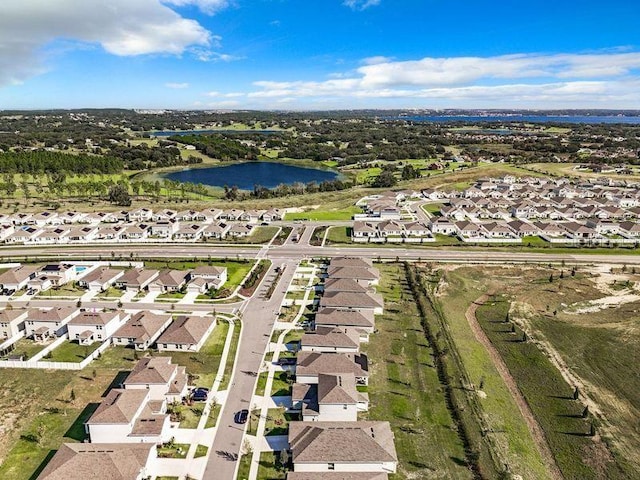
x=72 y=395
x=119 y=195
x=386 y=179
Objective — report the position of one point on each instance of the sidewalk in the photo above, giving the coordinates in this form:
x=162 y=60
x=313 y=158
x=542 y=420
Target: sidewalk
x=260 y=442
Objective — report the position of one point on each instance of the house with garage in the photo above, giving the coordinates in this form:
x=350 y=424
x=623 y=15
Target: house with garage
x=363 y=231
x=335 y=398
x=186 y=333
x=331 y=340
x=353 y=301
x=366 y=276
x=44 y=324
x=141 y=330
x=239 y=230
x=311 y=364
x=362 y=321
x=129 y=416
x=169 y=281
x=11 y=323
x=189 y=232
x=115 y=461
x=59 y=273
x=100 y=279
x=17 y=278
x=365 y=446
x=137 y=279
x=216 y=231
x=165 y=381
x=214 y=276
x=89 y=327
x=163 y=229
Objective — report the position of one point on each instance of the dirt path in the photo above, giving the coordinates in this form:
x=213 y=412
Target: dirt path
x=535 y=429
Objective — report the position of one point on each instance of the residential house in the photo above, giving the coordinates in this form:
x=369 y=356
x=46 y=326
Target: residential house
x=100 y=279
x=189 y=232
x=161 y=378
x=214 y=276
x=169 y=281
x=43 y=324
x=335 y=398
x=17 y=278
x=141 y=330
x=115 y=461
x=353 y=301
x=240 y=230
x=216 y=230
x=186 y=333
x=365 y=446
x=11 y=323
x=90 y=327
x=364 y=275
x=333 y=317
x=129 y=416
x=311 y=364
x=331 y=340
x=137 y=279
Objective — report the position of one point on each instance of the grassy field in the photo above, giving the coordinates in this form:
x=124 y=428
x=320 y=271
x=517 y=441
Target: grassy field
x=508 y=434
x=27 y=347
x=270 y=468
x=325 y=215
x=553 y=315
x=404 y=388
x=338 y=235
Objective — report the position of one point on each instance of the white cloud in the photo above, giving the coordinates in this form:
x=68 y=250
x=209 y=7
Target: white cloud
x=207 y=6
x=376 y=60
x=360 y=4
x=176 y=85
x=602 y=79
x=120 y=27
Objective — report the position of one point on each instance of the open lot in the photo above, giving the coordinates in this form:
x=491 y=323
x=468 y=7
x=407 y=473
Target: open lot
x=573 y=324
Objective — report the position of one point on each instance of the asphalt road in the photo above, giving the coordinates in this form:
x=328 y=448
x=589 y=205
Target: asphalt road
x=300 y=251
x=257 y=323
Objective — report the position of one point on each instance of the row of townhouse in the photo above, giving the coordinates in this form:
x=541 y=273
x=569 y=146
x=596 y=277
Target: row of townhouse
x=140 y=215
x=329 y=442
x=126 y=427
x=100 y=278
x=391 y=231
x=186 y=231
x=141 y=331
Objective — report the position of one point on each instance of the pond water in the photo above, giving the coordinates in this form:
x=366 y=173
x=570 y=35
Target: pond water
x=247 y=174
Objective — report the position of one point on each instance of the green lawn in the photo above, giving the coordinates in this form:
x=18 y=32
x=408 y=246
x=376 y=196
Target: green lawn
x=201 y=451
x=72 y=352
x=261 y=384
x=282 y=383
x=244 y=467
x=112 y=292
x=190 y=414
x=212 y=419
x=260 y=234
x=231 y=358
x=338 y=235
x=534 y=241
x=325 y=215
x=270 y=467
x=278 y=422
x=67 y=290
x=27 y=347
x=174 y=450
x=432 y=208
x=171 y=296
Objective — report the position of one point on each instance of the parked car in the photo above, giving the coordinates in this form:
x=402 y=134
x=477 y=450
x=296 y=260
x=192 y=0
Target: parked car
x=241 y=416
x=200 y=394
x=286 y=361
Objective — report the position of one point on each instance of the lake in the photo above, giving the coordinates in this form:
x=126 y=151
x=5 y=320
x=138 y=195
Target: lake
x=246 y=175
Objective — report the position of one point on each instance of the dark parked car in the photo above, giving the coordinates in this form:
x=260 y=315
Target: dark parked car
x=200 y=394
x=287 y=361
x=241 y=416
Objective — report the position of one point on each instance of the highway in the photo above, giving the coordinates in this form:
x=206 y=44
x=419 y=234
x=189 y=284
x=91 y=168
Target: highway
x=298 y=251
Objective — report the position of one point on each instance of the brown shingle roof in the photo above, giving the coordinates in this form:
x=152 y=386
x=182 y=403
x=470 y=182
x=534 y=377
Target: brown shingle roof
x=119 y=407
x=343 y=318
x=325 y=442
x=93 y=318
x=314 y=363
x=186 y=330
x=151 y=371
x=340 y=299
x=97 y=461
x=142 y=326
x=331 y=337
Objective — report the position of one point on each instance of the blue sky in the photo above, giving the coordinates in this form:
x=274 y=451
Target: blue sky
x=319 y=54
